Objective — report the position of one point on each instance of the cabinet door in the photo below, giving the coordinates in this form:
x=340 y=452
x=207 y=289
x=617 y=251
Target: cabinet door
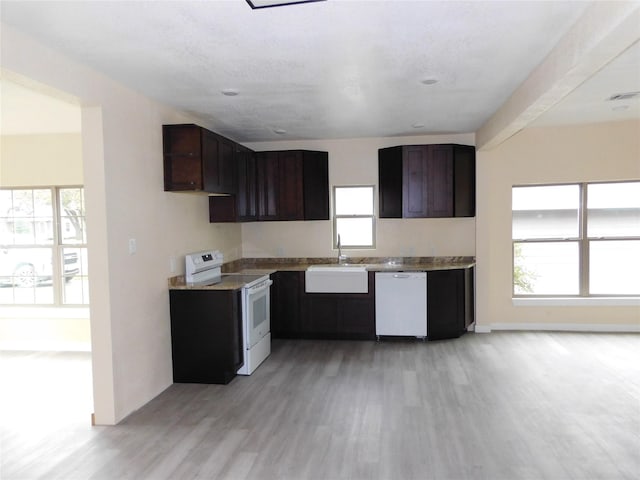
x=227 y=165
x=445 y=304
x=316 y=185
x=439 y=181
x=464 y=181
x=285 y=304
x=320 y=314
x=390 y=182
x=268 y=176
x=182 y=148
x=206 y=335
x=356 y=317
x=210 y=162
x=247 y=187
x=414 y=181
x=290 y=189
x=218 y=168
x=223 y=209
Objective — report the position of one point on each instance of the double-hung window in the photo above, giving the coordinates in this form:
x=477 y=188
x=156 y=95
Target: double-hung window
x=43 y=247
x=578 y=239
x=353 y=219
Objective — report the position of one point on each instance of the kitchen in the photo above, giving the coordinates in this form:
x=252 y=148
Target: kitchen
x=135 y=363
x=358 y=300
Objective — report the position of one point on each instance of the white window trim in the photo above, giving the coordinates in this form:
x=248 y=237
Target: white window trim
x=335 y=217
x=57 y=248
x=576 y=301
x=584 y=298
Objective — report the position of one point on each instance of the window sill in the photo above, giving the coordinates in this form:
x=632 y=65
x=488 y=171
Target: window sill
x=577 y=302
x=44 y=311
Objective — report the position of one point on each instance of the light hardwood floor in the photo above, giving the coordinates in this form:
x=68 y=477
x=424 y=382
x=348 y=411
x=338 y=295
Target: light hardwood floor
x=486 y=406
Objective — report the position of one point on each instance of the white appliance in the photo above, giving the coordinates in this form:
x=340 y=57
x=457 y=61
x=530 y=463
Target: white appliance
x=256 y=323
x=401 y=304
x=204 y=268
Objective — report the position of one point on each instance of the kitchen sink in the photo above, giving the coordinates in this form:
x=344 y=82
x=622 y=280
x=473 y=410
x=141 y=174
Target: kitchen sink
x=337 y=278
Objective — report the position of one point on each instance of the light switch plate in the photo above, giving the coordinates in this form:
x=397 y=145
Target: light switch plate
x=133 y=248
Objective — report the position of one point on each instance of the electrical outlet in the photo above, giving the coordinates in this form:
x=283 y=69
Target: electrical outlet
x=133 y=247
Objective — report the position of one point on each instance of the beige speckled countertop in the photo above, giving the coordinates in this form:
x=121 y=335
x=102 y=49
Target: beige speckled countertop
x=267 y=266
x=374 y=264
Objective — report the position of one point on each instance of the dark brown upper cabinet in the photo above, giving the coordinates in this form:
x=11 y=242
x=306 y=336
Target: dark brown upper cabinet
x=315 y=184
x=279 y=185
x=242 y=207
x=426 y=181
x=290 y=187
x=268 y=182
x=196 y=159
x=247 y=197
x=293 y=185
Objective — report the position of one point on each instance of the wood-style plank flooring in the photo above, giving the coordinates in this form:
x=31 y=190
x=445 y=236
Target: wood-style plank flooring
x=515 y=405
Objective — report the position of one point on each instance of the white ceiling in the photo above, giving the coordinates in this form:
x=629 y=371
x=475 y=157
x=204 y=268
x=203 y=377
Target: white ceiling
x=334 y=69
x=589 y=102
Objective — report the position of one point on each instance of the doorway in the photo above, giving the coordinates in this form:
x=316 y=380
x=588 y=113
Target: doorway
x=44 y=297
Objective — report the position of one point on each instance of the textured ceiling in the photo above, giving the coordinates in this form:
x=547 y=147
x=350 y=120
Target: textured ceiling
x=334 y=69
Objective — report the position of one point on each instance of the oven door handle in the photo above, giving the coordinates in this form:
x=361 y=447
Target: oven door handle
x=259 y=288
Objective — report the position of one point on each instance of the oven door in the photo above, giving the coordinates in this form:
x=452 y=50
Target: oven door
x=256 y=312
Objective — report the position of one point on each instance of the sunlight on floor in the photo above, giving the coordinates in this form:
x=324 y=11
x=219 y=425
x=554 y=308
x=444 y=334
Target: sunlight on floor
x=45 y=390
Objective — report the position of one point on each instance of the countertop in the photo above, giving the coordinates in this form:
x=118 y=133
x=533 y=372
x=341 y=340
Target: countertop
x=374 y=264
x=267 y=266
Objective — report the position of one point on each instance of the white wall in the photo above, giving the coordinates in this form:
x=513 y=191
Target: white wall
x=355 y=162
x=122 y=159
x=601 y=152
x=41 y=160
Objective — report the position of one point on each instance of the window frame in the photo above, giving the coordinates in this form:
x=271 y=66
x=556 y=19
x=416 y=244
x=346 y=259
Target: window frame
x=57 y=248
x=582 y=239
x=335 y=218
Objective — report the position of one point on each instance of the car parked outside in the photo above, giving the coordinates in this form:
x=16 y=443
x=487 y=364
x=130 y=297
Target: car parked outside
x=28 y=267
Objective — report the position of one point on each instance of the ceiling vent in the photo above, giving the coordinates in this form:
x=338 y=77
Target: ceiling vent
x=277 y=3
x=624 y=96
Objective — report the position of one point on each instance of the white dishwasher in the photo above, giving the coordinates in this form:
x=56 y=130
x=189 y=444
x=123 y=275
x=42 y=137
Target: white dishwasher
x=401 y=304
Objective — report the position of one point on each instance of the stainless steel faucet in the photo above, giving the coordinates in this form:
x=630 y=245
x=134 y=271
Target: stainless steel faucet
x=341 y=258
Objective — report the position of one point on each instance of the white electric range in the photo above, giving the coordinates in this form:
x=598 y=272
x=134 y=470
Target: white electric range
x=204 y=268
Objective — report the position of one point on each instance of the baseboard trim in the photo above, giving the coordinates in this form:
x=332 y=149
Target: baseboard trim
x=560 y=327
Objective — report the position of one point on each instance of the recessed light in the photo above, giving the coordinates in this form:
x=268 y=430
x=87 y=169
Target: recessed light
x=280 y=131
x=418 y=125
x=429 y=81
x=230 y=92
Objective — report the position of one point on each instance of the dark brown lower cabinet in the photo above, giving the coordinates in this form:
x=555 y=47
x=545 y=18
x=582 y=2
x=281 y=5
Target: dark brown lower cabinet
x=286 y=293
x=296 y=314
x=339 y=316
x=206 y=335
x=449 y=303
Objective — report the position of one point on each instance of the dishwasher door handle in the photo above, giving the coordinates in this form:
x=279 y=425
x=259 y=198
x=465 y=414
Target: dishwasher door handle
x=401 y=275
